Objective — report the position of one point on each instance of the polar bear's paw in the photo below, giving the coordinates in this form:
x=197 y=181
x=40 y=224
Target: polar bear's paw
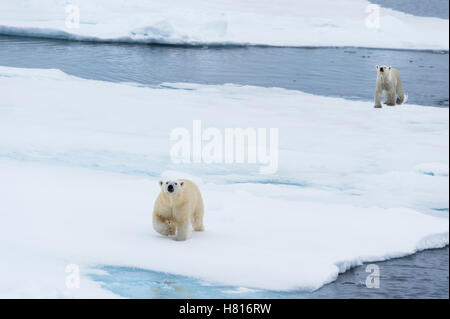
x=401 y=99
x=171 y=229
x=199 y=228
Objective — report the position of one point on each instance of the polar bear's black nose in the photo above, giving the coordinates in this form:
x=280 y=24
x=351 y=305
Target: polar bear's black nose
x=170 y=188
x=381 y=69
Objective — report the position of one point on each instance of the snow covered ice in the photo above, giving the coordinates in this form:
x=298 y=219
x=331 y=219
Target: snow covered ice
x=80 y=160
x=224 y=22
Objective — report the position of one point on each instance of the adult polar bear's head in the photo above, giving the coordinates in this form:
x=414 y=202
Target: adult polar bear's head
x=383 y=70
x=171 y=188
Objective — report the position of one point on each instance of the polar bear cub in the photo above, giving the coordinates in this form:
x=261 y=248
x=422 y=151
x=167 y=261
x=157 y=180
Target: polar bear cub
x=389 y=80
x=178 y=208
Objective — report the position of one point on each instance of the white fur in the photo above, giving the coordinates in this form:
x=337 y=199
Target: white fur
x=178 y=208
x=389 y=80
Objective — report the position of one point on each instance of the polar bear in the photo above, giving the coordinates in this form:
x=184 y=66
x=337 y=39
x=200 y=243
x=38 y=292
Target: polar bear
x=178 y=209
x=389 y=80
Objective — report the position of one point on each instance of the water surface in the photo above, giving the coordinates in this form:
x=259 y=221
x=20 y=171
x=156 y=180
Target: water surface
x=427 y=8
x=339 y=72
x=422 y=275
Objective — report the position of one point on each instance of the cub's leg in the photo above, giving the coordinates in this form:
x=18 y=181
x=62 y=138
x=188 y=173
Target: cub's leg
x=390 y=98
x=163 y=225
x=198 y=219
x=183 y=231
x=378 y=98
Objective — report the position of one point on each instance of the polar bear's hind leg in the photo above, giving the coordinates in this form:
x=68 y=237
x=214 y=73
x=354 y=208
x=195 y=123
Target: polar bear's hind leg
x=400 y=96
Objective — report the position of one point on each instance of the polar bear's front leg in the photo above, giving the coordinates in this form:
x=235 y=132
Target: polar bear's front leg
x=390 y=98
x=197 y=221
x=163 y=226
x=378 y=98
x=184 y=231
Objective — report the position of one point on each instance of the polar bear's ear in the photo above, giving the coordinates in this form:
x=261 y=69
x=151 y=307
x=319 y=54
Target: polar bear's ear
x=161 y=183
x=378 y=67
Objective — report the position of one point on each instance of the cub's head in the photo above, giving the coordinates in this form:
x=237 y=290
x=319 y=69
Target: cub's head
x=171 y=188
x=383 y=69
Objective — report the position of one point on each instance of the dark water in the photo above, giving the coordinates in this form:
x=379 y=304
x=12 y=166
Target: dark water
x=340 y=72
x=423 y=275
x=425 y=8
